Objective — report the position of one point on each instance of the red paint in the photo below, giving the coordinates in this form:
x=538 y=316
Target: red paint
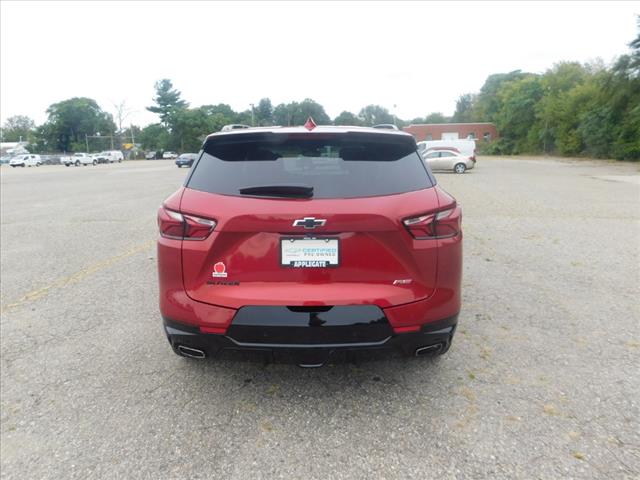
x=375 y=249
x=216 y=330
x=412 y=328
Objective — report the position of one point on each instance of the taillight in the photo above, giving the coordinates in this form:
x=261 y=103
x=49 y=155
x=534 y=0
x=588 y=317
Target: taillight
x=442 y=223
x=181 y=226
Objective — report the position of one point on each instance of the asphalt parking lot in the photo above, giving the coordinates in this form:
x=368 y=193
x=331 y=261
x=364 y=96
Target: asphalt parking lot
x=542 y=380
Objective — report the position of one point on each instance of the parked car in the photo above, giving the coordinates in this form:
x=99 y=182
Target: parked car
x=29 y=160
x=309 y=242
x=150 y=155
x=186 y=159
x=110 y=156
x=466 y=147
x=169 y=155
x=234 y=126
x=49 y=159
x=78 y=159
x=449 y=160
x=99 y=158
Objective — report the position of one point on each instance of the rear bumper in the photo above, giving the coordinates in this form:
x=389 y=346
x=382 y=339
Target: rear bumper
x=299 y=345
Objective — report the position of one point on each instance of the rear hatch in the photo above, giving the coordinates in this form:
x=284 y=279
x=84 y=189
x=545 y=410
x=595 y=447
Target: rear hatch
x=309 y=219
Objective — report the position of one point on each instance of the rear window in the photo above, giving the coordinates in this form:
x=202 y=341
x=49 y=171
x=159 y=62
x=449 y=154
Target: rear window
x=335 y=165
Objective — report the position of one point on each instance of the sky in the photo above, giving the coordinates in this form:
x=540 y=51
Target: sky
x=410 y=57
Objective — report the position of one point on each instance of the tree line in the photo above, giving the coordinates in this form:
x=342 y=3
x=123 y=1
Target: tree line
x=571 y=109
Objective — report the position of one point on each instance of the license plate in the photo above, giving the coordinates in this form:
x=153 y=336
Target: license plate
x=309 y=252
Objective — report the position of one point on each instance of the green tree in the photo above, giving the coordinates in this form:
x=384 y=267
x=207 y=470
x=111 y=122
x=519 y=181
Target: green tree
x=347 y=118
x=634 y=63
x=622 y=88
x=70 y=121
x=310 y=108
x=375 y=115
x=18 y=128
x=552 y=109
x=154 y=137
x=220 y=109
x=294 y=113
x=436 y=117
x=464 y=109
x=190 y=128
x=517 y=100
x=487 y=103
x=264 y=113
x=283 y=113
x=167 y=101
x=245 y=117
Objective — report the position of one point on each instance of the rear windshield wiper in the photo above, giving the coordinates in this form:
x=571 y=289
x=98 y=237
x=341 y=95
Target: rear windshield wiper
x=285 y=191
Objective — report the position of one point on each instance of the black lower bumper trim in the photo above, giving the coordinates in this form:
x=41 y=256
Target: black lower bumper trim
x=435 y=333
x=299 y=326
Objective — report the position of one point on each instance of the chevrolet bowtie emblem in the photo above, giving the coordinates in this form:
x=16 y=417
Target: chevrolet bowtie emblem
x=309 y=222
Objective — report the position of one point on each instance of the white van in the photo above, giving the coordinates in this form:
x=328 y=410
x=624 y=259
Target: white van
x=110 y=156
x=465 y=147
x=26 y=161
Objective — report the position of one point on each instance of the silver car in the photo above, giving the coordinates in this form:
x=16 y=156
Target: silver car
x=443 y=159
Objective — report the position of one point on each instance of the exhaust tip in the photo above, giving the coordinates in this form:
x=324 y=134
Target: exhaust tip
x=310 y=365
x=428 y=350
x=190 y=352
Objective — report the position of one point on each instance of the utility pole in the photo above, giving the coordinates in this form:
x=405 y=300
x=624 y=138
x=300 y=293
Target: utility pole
x=133 y=142
x=253 y=123
x=86 y=141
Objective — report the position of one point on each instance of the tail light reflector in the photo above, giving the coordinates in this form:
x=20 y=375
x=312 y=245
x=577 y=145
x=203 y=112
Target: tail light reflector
x=181 y=226
x=442 y=223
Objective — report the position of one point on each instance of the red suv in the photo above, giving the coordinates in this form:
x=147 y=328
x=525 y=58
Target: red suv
x=312 y=241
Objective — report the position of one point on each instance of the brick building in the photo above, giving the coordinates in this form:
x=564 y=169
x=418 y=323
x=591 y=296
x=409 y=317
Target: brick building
x=453 y=131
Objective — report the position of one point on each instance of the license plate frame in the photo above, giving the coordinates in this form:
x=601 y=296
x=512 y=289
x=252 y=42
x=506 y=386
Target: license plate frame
x=288 y=260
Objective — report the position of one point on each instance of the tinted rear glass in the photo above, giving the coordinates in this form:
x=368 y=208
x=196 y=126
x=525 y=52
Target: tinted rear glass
x=335 y=165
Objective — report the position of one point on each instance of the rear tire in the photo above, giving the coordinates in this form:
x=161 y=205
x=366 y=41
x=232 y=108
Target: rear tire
x=77 y=164
x=460 y=168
